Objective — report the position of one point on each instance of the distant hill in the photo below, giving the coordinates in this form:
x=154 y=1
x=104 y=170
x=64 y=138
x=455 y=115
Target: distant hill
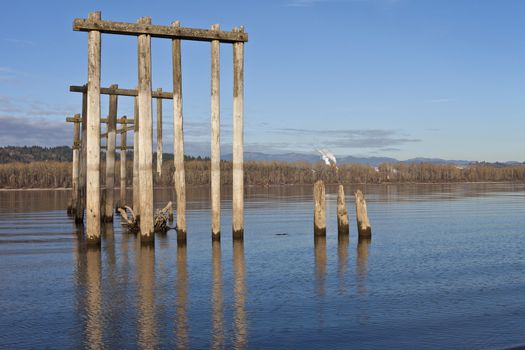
x=28 y=154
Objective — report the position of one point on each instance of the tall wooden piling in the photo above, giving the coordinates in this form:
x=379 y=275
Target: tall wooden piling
x=319 y=209
x=123 y=161
x=109 y=198
x=136 y=176
x=81 y=199
x=178 y=139
x=363 y=225
x=215 y=140
x=238 y=140
x=159 y=134
x=93 y=136
x=342 y=213
x=76 y=164
x=145 y=135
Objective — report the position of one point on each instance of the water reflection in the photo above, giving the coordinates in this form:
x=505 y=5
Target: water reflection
x=320 y=264
x=147 y=333
x=239 y=291
x=181 y=301
x=342 y=255
x=93 y=307
x=362 y=264
x=217 y=317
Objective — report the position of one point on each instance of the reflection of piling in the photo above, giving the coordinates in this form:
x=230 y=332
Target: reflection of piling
x=342 y=255
x=217 y=317
x=181 y=301
x=239 y=290
x=362 y=264
x=94 y=328
x=319 y=209
x=320 y=264
x=342 y=213
x=147 y=334
x=363 y=225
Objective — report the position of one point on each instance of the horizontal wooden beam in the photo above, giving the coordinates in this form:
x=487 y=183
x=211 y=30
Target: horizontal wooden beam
x=75 y=119
x=120 y=131
x=123 y=92
x=157 y=31
x=118 y=147
x=119 y=121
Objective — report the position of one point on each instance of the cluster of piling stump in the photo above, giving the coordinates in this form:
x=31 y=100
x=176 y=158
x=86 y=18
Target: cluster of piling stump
x=363 y=225
x=89 y=203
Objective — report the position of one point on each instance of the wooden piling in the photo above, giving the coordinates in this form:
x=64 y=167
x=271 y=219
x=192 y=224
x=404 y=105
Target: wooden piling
x=109 y=203
x=136 y=176
x=159 y=134
x=178 y=140
x=93 y=136
x=76 y=164
x=363 y=225
x=123 y=161
x=342 y=213
x=319 y=209
x=145 y=135
x=238 y=140
x=81 y=200
x=215 y=140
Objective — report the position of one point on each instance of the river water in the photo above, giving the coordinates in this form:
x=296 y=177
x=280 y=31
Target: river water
x=445 y=269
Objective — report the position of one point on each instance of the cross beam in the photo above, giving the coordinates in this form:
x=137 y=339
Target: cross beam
x=123 y=92
x=170 y=32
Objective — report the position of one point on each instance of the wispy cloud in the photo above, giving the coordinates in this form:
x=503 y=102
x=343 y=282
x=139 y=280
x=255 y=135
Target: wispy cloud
x=310 y=3
x=19 y=41
x=441 y=100
x=21 y=131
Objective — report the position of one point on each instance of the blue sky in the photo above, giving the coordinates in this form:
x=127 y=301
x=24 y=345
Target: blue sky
x=397 y=78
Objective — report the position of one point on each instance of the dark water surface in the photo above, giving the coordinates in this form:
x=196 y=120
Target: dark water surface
x=445 y=269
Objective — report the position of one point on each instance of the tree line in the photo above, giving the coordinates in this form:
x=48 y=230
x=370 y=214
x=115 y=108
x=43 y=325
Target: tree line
x=57 y=174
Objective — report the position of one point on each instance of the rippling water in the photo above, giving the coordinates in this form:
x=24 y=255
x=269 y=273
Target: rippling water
x=445 y=269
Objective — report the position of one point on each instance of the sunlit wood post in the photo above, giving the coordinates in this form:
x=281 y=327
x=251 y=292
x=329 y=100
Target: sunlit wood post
x=363 y=225
x=145 y=135
x=81 y=199
x=342 y=213
x=215 y=140
x=109 y=198
x=76 y=163
x=123 y=161
x=136 y=177
x=178 y=139
x=319 y=209
x=93 y=136
x=159 y=134
x=238 y=139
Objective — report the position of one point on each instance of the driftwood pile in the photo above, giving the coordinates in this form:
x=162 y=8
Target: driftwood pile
x=162 y=216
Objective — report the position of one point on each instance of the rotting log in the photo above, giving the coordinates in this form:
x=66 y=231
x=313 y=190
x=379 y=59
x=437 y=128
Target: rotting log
x=93 y=136
x=215 y=140
x=363 y=225
x=145 y=136
x=238 y=140
x=178 y=140
x=162 y=218
x=129 y=219
x=159 y=135
x=109 y=203
x=123 y=161
x=319 y=209
x=342 y=213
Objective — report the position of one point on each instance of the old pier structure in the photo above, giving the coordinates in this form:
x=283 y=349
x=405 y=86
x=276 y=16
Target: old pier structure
x=86 y=195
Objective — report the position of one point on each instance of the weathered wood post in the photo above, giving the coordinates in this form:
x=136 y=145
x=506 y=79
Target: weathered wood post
x=93 y=136
x=123 y=161
x=76 y=164
x=178 y=139
x=81 y=200
x=363 y=225
x=136 y=176
x=159 y=134
x=319 y=209
x=238 y=139
x=109 y=198
x=215 y=140
x=342 y=213
x=145 y=135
